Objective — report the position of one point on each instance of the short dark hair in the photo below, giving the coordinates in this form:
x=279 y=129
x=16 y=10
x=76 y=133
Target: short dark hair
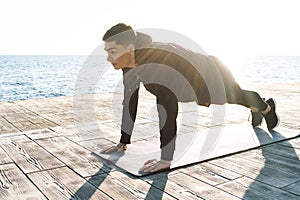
x=121 y=33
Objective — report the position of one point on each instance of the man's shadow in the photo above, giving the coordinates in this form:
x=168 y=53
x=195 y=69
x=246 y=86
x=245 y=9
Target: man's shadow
x=281 y=166
x=158 y=181
x=158 y=186
x=87 y=190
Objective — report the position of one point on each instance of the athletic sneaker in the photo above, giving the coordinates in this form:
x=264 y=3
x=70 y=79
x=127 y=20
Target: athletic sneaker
x=256 y=118
x=271 y=117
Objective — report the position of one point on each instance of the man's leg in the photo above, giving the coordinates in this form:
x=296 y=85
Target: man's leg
x=252 y=100
x=259 y=108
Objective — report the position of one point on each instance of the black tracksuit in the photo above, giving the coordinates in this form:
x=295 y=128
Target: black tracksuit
x=174 y=74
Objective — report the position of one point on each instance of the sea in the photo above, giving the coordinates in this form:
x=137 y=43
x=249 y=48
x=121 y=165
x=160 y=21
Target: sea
x=42 y=76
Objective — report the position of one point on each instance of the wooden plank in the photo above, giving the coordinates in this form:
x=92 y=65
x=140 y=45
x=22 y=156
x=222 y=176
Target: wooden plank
x=199 y=188
x=15 y=185
x=6 y=127
x=63 y=183
x=29 y=156
x=76 y=157
x=12 y=108
x=240 y=189
x=14 y=138
x=83 y=136
x=288 y=165
x=36 y=119
x=95 y=144
x=294 y=142
x=283 y=150
x=25 y=125
x=65 y=130
x=87 y=132
x=161 y=182
x=37 y=107
x=138 y=187
x=62 y=120
x=210 y=174
x=4 y=157
x=15 y=117
x=40 y=134
x=250 y=189
x=75 y=134
x=113 y=187
x=263 y=172
x=293 y=188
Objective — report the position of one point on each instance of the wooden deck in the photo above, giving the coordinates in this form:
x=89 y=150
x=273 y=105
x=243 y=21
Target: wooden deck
x=45 y=151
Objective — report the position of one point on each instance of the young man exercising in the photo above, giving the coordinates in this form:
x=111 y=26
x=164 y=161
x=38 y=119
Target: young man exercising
x=173 y=74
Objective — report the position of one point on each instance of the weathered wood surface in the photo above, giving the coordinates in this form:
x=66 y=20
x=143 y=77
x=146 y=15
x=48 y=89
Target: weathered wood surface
x=76 y=157
x=64 y=183
x=4 y=157
x=55 y=161
x=29 y=156
x=15 y=185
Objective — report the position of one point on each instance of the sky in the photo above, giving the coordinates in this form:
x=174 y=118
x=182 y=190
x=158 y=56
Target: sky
x=231 y=28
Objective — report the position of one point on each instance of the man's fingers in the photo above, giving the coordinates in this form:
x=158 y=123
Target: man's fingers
x=115 y=148
x=109 y=149
x=160 y=167
x=152 y=167
x=121 y=149
x=147 y=165
x=112 y=149
x=155 y=166
x=146 y=168
x=149 y=161
x=105 y=149
x=143 y=168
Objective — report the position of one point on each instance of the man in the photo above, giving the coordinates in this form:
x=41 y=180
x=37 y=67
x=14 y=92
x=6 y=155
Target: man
x=173 y=74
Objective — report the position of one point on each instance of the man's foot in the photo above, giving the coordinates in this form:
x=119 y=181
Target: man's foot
x=256 y=118
x=271 y=117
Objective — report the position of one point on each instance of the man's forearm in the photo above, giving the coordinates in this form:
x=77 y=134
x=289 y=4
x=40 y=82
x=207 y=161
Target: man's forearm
x=128 y=116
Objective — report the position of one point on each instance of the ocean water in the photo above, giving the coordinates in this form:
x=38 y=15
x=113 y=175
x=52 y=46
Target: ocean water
x=268 y=69
x=27 y=77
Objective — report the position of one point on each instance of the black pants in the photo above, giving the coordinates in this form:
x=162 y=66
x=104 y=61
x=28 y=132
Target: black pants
x=235 y=95
x=252 y=99
x=167 y=106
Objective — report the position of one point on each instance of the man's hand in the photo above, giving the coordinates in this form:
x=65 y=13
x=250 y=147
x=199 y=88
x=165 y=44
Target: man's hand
x=115 y=148
x=155 y=166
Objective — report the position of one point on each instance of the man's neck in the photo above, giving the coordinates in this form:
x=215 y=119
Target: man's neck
x=132 y=63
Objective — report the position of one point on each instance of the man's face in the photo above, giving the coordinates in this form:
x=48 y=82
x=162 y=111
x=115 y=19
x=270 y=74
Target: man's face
x=117 y=55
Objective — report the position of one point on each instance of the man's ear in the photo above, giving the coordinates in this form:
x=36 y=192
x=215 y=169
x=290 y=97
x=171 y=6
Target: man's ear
x=131 y=48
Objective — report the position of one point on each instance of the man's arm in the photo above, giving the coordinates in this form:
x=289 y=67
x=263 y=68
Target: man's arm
x=130 y=103
x=167 y=106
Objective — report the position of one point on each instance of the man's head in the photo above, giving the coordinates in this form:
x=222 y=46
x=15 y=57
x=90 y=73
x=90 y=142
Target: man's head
x=119 y=45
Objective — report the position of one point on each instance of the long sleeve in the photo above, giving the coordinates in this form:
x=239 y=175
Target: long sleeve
x=167 y=106
x=130 y=103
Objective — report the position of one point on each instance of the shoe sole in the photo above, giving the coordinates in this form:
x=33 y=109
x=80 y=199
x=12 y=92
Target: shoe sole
x=274 y=106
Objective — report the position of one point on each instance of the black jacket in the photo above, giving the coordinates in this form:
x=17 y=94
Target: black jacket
x=173 y=74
